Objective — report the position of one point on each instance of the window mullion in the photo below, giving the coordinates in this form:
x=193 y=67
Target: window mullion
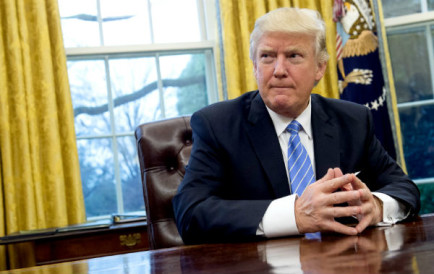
x=423 y=6
x=424 y=181
x=202 y=20
x=124 y=134
x=151 y=26
x=211 y=86
x=160 y=86
x=118 y=184
x=430 y=47
x=147 y=49
x=99 y=18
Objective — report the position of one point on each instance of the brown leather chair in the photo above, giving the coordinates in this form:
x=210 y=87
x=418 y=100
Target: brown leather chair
x=164 y=148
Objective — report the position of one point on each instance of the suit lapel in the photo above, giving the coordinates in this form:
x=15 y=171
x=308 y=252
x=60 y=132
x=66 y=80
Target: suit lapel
x=264 y=141
x=325 y=138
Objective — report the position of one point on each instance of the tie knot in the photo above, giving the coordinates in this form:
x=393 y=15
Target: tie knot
x=293 y=127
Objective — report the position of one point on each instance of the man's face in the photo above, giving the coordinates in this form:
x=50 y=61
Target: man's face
x=286 y=70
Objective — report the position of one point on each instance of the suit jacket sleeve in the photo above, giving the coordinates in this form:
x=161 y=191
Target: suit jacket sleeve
x=344 y=137
x=385 y=176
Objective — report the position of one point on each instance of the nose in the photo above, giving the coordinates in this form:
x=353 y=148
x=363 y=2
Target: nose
x=280 y=69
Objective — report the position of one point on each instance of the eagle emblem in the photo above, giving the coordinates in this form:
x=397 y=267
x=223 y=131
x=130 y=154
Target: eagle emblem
x=355 y=37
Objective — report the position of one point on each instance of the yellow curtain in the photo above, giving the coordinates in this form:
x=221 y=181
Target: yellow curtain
x=40 y=181
x=238 y=19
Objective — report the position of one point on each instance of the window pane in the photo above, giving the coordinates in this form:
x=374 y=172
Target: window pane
x=130 y=175
x=125 y=22
x=430 y=4
x=392 y=8
x=417 y=125
x=96 y=166
x=171 y=19
x=411 y=70
x=89 y=97
x=426 y=198
x=79 y=23
x=135 y=91
x=184 y=83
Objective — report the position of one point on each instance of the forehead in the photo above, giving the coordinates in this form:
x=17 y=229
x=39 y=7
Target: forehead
x=286 y=41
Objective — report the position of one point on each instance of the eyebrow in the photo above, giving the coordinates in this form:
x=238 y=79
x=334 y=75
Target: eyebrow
x=290 y=49
x=265 y=48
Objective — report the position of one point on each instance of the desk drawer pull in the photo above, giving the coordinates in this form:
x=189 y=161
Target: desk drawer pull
x=130 y=240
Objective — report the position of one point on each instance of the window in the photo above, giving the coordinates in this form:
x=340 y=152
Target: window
x=410 y=34
x=131 y=62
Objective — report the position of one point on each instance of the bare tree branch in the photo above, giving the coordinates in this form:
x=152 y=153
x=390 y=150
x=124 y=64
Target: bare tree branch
x=93 y=18
x=139 y=94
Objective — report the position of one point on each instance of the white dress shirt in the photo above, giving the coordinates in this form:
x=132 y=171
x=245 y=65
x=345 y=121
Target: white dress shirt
x=279 y=218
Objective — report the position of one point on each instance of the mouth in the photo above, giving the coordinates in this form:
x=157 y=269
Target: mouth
x=281 y=85
x=278 y=87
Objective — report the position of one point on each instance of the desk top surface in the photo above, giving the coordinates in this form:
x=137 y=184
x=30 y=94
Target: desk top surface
x=402 y=248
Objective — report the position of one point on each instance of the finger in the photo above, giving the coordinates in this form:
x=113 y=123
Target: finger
x=338 y=172
x=344 y=211
x=356 y=182
x=343 y=197
x=365 y=194
x=340 y=228
x=363 y=223
x=368 y=207
x=367 y=215
x=336 y=183
x=347 y=187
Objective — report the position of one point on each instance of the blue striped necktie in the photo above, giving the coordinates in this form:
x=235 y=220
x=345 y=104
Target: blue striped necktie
x=299 y=164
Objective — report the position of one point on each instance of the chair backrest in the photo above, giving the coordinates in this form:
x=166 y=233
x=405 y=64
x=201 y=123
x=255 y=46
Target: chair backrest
x=164 y=148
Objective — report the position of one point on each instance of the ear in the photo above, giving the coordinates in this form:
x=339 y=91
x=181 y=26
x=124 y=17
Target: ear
x=320 y=71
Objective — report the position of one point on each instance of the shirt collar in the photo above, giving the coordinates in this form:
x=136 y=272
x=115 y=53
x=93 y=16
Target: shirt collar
x=281 y=122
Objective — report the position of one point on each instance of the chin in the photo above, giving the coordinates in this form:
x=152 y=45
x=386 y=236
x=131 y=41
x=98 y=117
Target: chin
x=281 y=109
x=282 y=101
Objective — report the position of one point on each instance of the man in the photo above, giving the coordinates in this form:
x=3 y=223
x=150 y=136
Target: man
x=237 y=185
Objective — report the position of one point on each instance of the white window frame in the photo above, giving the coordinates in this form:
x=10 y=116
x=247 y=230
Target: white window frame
x=423 y=19
x=208 y=45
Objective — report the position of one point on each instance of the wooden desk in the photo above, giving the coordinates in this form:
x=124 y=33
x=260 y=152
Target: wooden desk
x=77 y=244
x=403 y=248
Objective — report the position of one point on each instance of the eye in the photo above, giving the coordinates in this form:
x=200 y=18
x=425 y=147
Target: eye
x=295 y=57
x=266 y=57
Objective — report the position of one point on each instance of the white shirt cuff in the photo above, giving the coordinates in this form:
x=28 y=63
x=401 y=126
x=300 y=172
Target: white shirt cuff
x=393 y=211
x=279 y=218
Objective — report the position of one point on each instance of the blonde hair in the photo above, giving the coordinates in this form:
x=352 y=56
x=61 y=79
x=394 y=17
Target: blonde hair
x=291 y=20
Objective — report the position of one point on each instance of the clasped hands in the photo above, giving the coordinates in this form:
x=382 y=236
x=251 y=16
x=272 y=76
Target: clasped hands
x=315 y=210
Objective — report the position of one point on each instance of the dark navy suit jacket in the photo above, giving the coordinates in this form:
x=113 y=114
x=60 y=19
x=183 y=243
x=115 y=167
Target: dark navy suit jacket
x=236 y=166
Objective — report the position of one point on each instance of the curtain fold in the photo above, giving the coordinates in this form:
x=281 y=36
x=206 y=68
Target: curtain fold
x=238 y=18
x=40 y=173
